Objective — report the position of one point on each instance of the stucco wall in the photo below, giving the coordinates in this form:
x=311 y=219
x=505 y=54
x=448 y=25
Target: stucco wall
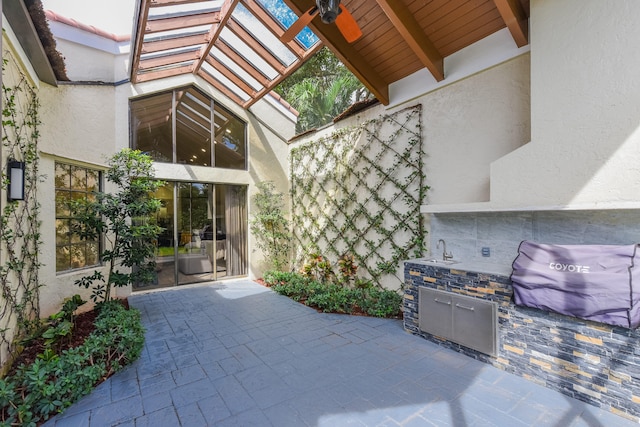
x=470 y=124
x=466 y=127
x=585 y=109
x=78 y=127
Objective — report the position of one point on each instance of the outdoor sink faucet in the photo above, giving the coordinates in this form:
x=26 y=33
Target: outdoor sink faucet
x=445 y=255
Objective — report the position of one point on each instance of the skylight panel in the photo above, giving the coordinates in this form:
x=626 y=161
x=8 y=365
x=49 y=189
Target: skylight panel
x=180 y=32
x=263 y=35
x=225 y=82
x=235 y=68
x=249 y=54
x=172 y=34
x=169 y=52
x=165 y=67
x=286 y=17
x=184 y=9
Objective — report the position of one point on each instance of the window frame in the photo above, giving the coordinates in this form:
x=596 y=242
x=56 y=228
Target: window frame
x=70 y=191
x=214 y=107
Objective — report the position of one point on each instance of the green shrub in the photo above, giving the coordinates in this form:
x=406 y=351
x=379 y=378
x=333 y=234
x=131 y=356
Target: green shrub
x=318 y=267
x=275 y=277
x=334 y=297
x=299 y=288
x=381 y=302
x=52 y=383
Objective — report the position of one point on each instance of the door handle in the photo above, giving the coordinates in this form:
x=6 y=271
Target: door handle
x=466 y=307
x=442 y=302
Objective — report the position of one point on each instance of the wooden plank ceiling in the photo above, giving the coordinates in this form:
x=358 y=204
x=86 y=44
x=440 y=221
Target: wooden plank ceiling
x=235 y=44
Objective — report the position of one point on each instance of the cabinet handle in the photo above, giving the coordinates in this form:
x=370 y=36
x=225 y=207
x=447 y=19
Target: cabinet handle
x=465 y=307
x=442 y=302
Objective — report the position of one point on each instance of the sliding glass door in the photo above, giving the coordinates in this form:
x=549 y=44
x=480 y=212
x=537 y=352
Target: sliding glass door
x=205 y=233
x=195 y=216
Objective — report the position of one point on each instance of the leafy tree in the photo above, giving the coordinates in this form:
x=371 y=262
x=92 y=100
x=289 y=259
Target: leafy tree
x=127 y=217
x=271 y=227
x=321 y=89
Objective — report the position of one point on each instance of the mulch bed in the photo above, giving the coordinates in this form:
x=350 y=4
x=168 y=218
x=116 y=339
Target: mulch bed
x=82 y=328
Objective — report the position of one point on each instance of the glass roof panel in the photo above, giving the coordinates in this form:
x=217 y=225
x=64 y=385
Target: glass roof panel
x=235 y=68
x=263 y=35
x=166 y=67
x=169 y=52
x=286 y=17
x=181 y=32
x=249 y=54
x=184 y=9
x=246 y=58
x=225 y=81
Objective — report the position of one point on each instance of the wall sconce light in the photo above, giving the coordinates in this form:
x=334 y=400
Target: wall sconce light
x=15 y=173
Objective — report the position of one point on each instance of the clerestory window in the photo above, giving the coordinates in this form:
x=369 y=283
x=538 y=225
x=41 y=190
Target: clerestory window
x=186 y=126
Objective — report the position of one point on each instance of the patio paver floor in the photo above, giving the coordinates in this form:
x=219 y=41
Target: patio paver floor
x=238 y=354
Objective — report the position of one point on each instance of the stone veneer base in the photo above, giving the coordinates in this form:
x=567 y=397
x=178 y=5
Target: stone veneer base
x=592 y=362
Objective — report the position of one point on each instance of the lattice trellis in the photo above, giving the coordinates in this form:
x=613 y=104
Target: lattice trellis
x=19 y=221
x=359 y=191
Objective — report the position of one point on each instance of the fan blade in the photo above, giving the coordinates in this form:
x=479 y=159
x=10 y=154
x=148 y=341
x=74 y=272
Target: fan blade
x=297 y=26
x=348 y=26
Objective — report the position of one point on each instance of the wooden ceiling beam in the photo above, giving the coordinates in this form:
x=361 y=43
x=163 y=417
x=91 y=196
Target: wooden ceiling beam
x=235 y=79
x=173 y=43
x=258 y=48
x=240 y=61
x=161 y=74
x=222 y=89
x=143 y=14
x=516 y=19
x=414 y=36
x=181 y=22
x=165 y=60
x=275 y=82
x=226 y=9
x=345 y=52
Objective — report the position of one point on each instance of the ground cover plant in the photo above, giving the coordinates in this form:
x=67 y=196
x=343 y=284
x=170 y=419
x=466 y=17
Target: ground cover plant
x=317 y=286
x=43 y=385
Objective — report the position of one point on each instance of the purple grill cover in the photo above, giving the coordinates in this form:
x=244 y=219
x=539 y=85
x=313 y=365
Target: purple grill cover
x=593 y=282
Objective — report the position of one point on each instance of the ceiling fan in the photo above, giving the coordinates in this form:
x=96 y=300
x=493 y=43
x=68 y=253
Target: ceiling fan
x=330 y=11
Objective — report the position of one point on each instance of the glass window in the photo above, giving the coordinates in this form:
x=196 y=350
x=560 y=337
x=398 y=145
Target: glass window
x=229 y=142
x=74 y=183
x=185 y=126
x=193 y=128
x=151 y=120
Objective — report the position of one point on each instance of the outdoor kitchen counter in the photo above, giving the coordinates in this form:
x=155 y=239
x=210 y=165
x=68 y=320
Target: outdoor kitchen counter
x=476 y=267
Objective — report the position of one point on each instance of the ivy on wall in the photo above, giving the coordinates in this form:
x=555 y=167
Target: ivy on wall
x=19 y=220
x=358 y=191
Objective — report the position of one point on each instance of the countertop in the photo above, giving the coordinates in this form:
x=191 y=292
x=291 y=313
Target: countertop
x=476 y=267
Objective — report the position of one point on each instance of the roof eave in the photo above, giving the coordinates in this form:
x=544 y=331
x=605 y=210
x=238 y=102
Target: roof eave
x=20 y=21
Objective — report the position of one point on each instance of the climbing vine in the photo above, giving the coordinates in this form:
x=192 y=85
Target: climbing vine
x=19 y=221
x=358 y=192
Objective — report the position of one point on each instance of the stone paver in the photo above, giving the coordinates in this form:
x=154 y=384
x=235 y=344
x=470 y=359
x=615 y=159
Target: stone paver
x=237 y=354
